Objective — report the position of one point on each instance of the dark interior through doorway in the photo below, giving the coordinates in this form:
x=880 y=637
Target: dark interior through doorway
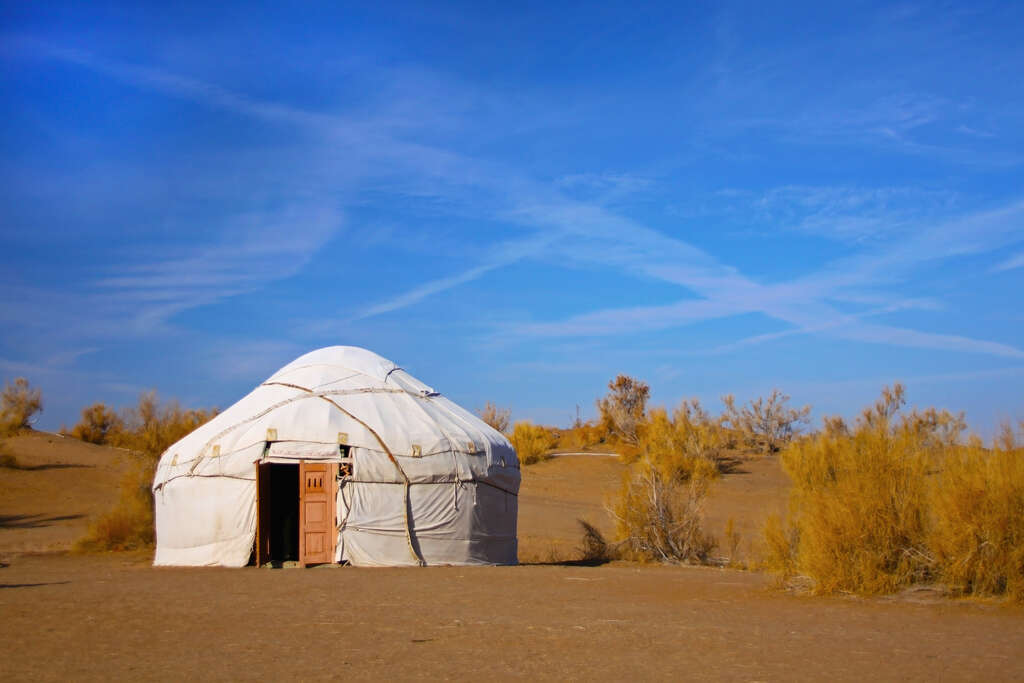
x=283 y=521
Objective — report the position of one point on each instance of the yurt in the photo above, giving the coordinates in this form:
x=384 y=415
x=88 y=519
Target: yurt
x=340 y=456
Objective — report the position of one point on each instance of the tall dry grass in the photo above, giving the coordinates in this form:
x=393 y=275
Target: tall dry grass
x=687 y=444
x=660 y=517
x=496 y=417
x=147 y=429
x=659 y=512
x=151 y=426
x=532 y=442
x=129 y=525
x=99 y=424
x=899 y=499
x=19 y=404
x=765 y=424
x=624 y=408
x=581 y=435
x=977 y=534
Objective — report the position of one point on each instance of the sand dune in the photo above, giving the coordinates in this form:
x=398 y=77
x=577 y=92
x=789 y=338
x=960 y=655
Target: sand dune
x=59 y=486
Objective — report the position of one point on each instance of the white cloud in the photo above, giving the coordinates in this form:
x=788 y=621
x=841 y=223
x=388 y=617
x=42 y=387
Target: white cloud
x=1012 y=263
x=253 y=249
x=570 y=230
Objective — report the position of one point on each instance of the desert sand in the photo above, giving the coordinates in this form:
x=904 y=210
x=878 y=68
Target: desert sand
x=106 y=616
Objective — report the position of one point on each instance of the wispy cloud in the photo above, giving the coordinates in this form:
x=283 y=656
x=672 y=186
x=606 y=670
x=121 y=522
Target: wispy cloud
x=173 y=84
x=569 y=229
x=887 y=334
x=53 y=365
x=253 y=249
x=848 y=213
x=633 y=320
x=1015 y=261
x=802 y=303
x=833 y=325
x=502 y=255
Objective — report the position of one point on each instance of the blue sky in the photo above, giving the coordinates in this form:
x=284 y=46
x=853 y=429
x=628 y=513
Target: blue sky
x=516 y=202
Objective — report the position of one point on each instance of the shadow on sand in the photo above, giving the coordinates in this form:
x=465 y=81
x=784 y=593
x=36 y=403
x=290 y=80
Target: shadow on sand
x=731 y=465
x=32 y=521
x=46 y=466
x=565 y=563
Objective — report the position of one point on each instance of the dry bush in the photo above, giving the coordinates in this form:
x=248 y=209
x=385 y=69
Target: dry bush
x=859 y=504
x=496 y=417
x=129 y=526
x=781 y=543
x=766 y=425
x=148 y=429
x=659 y=511
x=898 y=499
x=532 y=442
x=835 y=426
x=977 y=536
x=623 y=409
x=19 y=404
x=689 y=443
x=99 y=425
x=659 y=516
x=151 y=428
x=582 y=435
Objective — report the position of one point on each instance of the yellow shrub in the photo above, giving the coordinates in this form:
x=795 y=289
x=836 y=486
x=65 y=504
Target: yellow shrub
x=129 y=525
x=659 y=516
x=781 y=543
x=858 y=505
x=99 y=424
x=151 y=428
x=659 y=510
x=622 y=410
x=688 y=444
x=582 y=435
x=978 y=534
x=532 y=442
x=496 y=417
x=19 y=404
x=148 y=429
x=899 y=499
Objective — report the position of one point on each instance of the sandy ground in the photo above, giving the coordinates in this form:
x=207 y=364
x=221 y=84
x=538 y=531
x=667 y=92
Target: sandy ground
x=562 y=490
x=103 y=617
x=113 y=616
x=60 y=486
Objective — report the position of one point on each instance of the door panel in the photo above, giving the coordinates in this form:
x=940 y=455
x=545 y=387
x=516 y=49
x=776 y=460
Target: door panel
x=316 y=513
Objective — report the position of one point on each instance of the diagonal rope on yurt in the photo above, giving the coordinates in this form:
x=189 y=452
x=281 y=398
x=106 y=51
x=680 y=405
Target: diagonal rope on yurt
x=451 y=445
x=391 y=456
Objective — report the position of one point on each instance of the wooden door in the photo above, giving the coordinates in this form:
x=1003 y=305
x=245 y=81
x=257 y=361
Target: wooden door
x=263 y=521
x=317 y=530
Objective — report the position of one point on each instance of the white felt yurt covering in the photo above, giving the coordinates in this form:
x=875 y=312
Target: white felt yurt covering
x=430 y=484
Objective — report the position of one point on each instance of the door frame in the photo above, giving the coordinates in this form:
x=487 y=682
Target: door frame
x=264 y=521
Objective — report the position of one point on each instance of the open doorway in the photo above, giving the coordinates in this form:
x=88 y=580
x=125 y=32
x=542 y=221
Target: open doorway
x=277 y=539
x=295 y=513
